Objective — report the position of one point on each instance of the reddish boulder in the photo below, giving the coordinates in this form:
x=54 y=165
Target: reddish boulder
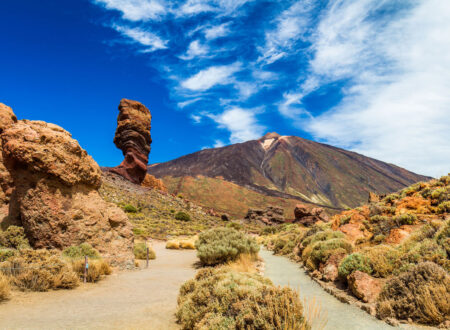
x=309 y=217
x=364 y=286
x=56 y=195
x=7 y=119
x=134 y=139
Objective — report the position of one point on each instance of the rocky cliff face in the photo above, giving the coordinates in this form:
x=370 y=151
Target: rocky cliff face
x=56 y=195
x=292 y=168
x=7 y=118
x=134 y=139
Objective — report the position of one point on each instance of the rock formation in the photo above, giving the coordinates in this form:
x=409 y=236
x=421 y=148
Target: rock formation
x=309 y=217
x=56 y=192
x=269 y=216
x=134 y=139
x=7 y=118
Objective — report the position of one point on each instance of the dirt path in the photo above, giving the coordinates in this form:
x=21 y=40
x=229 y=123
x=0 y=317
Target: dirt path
x=142 y=299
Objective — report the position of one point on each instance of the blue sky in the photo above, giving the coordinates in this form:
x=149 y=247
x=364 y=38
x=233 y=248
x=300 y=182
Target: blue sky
x=371 y=76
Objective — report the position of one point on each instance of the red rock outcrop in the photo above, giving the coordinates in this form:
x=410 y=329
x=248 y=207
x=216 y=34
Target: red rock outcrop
x=7 y=118
x=309 y=217
x=56 y=192
x=134 y=139
x=364 y=286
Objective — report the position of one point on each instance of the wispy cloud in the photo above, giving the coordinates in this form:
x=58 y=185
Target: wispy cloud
x=144 y=38
x=241 y=123
x=210 y=77
x=396 y=106
x=136 y=10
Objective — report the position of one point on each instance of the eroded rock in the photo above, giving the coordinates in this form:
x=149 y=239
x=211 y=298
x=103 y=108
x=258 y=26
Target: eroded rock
x=271 y=215
x=56 y=192
x=309 y=217
x=134 y=139
x=364 y=286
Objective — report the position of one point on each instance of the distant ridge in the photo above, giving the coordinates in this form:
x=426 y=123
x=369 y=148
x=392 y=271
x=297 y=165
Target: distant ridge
x=288 y=167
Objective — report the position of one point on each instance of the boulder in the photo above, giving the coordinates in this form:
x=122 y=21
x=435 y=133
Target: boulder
x=271 y=215
x=56 y=194
x=364 y=286
x=309 y=217
x=7 y=118
x=134 y=139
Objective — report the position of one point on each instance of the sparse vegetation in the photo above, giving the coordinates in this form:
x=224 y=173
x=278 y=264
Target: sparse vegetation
x=420 y=294
x=226 y=299
x=182 y=216
x=140 y=251
x=221 y=245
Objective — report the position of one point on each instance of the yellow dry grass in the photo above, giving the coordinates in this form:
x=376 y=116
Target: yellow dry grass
x=4 y=287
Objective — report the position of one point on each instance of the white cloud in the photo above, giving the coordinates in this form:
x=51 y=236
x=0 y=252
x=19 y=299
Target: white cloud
x=135 y=10
x=195 y=49
x=145 y=38
x=217 y=31
x=291 y=25
x=241 y=123
x=212 y=76
x=398 y=106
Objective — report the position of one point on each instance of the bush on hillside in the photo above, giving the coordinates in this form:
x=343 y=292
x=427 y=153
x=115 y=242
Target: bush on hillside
x=353 y=262
x=226 y=299
x=140 y=251
x=130 y=208
x=183 y=216
x=221 y=245
x=420 y=294
x=39 y=270
x=14 y=237
x=80 y=251
x=320 y=251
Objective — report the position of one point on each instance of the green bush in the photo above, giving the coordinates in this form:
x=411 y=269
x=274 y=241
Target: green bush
x=220 y=245
x=140 y=251
x=14 y=237
x=352 y=262
x=130 y=208
x=183 y=216
x=320 y=251
x=80 y=251
x=225 y=299
x=405 y=219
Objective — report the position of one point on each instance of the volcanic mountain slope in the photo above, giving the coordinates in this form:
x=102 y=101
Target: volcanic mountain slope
x=287 y=167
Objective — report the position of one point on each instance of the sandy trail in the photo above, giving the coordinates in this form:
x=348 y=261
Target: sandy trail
x=141 y=299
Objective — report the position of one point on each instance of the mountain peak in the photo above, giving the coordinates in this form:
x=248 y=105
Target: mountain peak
x=270 y=135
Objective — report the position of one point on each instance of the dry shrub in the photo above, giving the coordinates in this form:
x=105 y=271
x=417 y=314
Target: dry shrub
x=140 y=251
x=244 y=263
x=4 y=287
x=187 y=244
x=221 y=245
x=421 y=294
x=225 y=299
x=382 y=259
x=173 y=245
x=97 y=268
x=39 y=270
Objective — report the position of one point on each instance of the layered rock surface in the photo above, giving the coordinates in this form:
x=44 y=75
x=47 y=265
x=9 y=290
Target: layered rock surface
x=134 y=139
x=56 y=192
x=7 y=118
